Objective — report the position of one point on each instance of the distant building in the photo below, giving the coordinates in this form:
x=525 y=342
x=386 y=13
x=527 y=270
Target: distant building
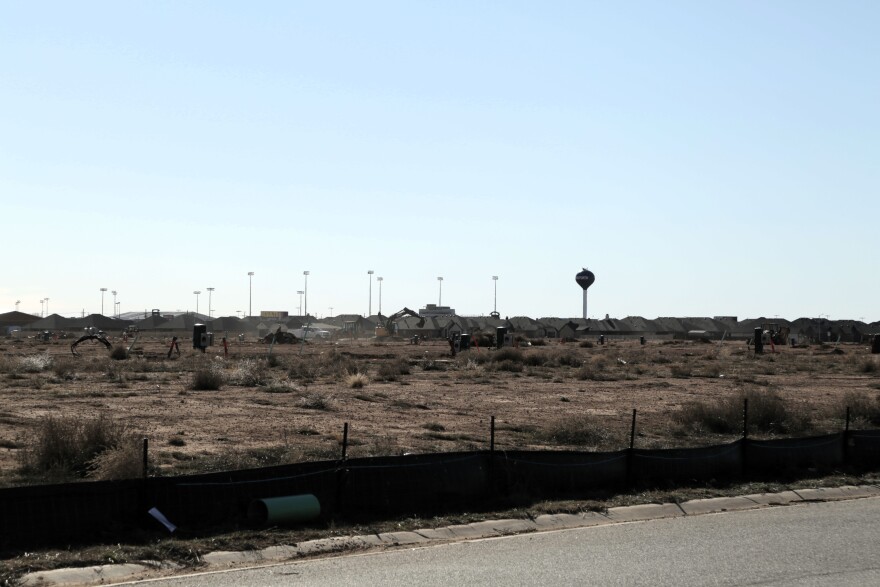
x=433 y=310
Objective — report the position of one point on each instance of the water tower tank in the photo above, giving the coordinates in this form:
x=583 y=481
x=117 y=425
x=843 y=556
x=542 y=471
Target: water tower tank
x=585 y=279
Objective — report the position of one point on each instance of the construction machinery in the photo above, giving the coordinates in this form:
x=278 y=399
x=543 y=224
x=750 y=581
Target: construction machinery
x=99 y=336
x=279 y=334
x=387 y=328
x=775 y=333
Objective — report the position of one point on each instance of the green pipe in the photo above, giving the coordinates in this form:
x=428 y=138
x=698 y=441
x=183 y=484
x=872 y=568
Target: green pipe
x=288 y=509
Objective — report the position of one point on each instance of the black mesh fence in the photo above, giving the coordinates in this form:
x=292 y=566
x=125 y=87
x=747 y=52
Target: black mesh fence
x=410 y=485
x=793 y=454
x=687 y=464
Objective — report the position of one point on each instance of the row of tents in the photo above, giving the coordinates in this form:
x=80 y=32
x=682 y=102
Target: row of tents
x=812 y=329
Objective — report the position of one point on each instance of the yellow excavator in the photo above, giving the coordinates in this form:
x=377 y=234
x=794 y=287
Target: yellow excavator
x=386 y=328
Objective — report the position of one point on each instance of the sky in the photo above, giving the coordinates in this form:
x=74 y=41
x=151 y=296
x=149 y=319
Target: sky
x=700 y=158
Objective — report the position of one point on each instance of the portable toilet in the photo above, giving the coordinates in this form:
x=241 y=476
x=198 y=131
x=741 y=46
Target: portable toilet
x=200 y=336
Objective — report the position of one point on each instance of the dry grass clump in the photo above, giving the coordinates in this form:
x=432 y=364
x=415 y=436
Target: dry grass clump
x=565 y=359
x=66 y=447
x=278 y=387
x=334 y=365
x=869 y=365
x=535 y=359
x=357 y=380
x=508 y=366
x=206 y=378
x=315 y=401
x=863 y=409
x=63 y=369
x=391 y=371
x=767 y=413
x=119 y=353
x=122 y=461
x=35 y=363
x=508 y=354
x=580 y=430
x=248 y=373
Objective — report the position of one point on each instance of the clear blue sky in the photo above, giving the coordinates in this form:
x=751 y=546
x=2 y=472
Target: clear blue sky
x=701 y=158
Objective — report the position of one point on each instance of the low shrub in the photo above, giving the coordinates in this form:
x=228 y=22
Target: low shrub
x=206 y=379
x=432 y=365
x=122 y=461
x=119 y=353
x=862 y=407
x=315 y=401
x=586 y=344
x=278 y=387
x=508 y=354
x=35 y=363
x=767 y=413
x=565 y=359
x=248 y=373
x=65 y=447
x=508 y=365
x=580 y=430
x=535 y=359
x=63 y=369
x=391 y=371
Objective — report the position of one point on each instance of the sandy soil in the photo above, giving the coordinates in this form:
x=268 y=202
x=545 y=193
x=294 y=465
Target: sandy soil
x=442 y=404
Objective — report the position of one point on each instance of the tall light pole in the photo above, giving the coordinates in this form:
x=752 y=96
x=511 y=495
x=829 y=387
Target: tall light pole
x=197 y=300
x=300 y=292
x=47 y=306
x=380 y=280
x=370 y=306
x=250 y=293
x=495 y=303
x=440 y=296
x=210 y=289
x=43 y=301
x=103 y=289
x=306 y=290
x=17 y=302
x=114 y=302
x=117 y=308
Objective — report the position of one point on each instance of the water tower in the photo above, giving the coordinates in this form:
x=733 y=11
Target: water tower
x=585 y=279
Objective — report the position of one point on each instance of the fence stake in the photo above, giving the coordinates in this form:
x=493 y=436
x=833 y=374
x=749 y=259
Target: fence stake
x=846 y=438
x=492 y=434
x=344 y=441
x=746 y=418
x=146 y=457
x=632 y=432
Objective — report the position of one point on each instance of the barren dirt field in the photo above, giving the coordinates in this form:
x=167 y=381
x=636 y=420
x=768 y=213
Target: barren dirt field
x=402 y=398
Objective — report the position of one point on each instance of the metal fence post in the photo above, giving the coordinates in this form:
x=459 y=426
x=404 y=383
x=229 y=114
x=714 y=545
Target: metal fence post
x=629 y=453
x=492 y=435
x=846 y=438
x=745 y=438
x=345 y=441
x=146 y=457
x=632 y=432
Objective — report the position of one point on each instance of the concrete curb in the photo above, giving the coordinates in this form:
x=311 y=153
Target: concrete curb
x=222 y=560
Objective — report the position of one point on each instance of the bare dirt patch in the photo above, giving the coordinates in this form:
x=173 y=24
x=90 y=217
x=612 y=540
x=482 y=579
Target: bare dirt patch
x=401 y=398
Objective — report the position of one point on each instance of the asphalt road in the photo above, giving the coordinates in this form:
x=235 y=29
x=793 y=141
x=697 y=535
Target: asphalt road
x=834 y=543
